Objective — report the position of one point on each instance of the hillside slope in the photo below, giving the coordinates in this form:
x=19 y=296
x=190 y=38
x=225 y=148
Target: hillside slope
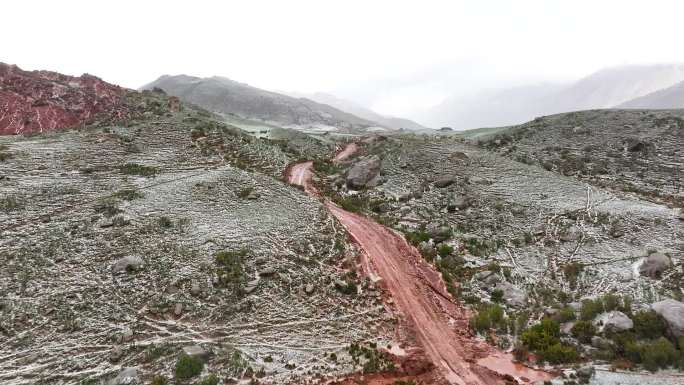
x=630 y=150
x=362 y=112
x=668 y=98
x=226 y=96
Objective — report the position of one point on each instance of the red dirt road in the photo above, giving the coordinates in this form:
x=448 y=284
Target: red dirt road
x=439 y=323
x=346 y=152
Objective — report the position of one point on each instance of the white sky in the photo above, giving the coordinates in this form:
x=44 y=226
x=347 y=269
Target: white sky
x=395 y=56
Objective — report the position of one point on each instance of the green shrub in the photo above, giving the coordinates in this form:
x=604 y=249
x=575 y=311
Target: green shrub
x=138 y=169
x=565 y=314
x=159 y=380
x=210 y=380
x=544 y=339
x=188 y=367
x=572 y=272
x=128 y=194
x=541 y=335
x=244 y=193
x=346 y=287
x=590 y=309
x=10 y=203
x=497 y=296
x=164 y=222
x=488 y=316
x=648 y=324
x=558 y=353
x=583 y=331
x=416 y=237
x=230 y=269
x=658 y=354
x=445 y=250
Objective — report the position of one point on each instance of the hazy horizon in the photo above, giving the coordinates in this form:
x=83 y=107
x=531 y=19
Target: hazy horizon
x=397 y=58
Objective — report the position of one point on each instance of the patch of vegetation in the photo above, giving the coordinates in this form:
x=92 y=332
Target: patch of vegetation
x=164 y=222
x=372 y=359
x=10 y=203
x=352 y=203
x=244 y=193
x=212 y=379
x=128 y=194
x=107 y=207
x=444 y=250
x=416 y=237
x=188 y=367
x=544 y=339
x=155 y=351
x=159 y=380
x=347 y=287
x=138 y=169
x=230 y=269
x=583 y=331
x=237 y=365
x=609 y=302
x=326 y=167
x=4 y=155
x=489 y=316
x=648 y=324
x=497 y=296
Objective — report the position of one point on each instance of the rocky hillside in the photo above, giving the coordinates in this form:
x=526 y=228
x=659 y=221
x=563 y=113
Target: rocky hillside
x=226 y=96
x=40 y=101
x=628 y=150
x=671 y=97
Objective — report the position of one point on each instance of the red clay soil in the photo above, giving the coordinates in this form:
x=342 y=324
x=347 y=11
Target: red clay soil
x=39 y=101
x=438 y=323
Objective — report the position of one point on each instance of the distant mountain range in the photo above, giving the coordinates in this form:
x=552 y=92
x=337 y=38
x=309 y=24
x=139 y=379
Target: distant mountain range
x=360 y=111
x=223 y=95
x=609 y=88
x=671 y=97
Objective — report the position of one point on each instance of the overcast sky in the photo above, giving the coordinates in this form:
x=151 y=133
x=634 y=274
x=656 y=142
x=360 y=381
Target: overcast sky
x=395 y=56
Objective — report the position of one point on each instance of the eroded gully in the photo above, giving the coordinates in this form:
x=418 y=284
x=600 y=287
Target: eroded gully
x=438 y=323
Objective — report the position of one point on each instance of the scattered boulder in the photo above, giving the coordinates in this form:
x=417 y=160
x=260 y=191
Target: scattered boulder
x=488 y=277
x=457 y=202
x=673 y=313
x=128 y=264
x=116 y=354
x=586 y=372
x=309 y=289
x=438 y=232
x=654 y=265
x=364 y=173
x=195 y=288
x=572 y=234
x=127 y=376
x=601 y=343
x=444 y=182
x=512 y=295
x=615 y=321
x=196 y=351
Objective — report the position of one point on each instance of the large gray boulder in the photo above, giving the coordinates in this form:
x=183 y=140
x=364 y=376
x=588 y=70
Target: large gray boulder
x=512 y=295
x=127 y=376
x=364 y=173
x=126 y=264
x=654 y=265
x=445 y=182
x=673 y=313
x=615 y=321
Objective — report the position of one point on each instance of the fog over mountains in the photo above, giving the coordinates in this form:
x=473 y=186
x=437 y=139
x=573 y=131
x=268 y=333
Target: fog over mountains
x=607 y=88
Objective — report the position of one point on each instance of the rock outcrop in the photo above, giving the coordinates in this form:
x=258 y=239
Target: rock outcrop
x=673 y=313
x=39 y=101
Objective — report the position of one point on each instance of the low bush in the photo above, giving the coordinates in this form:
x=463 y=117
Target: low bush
x=128 y=194
x=583 y=331
x=212 y=379
x=489 y=316
x=159 y=380
x=544 y=339
x=138 y=169
x=188 y=367
x=443 y=250
x=648 y=324
x=230 y=269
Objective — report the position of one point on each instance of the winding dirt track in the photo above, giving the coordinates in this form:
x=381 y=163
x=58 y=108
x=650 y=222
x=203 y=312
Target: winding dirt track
x=439 y=323
x=346 y=152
